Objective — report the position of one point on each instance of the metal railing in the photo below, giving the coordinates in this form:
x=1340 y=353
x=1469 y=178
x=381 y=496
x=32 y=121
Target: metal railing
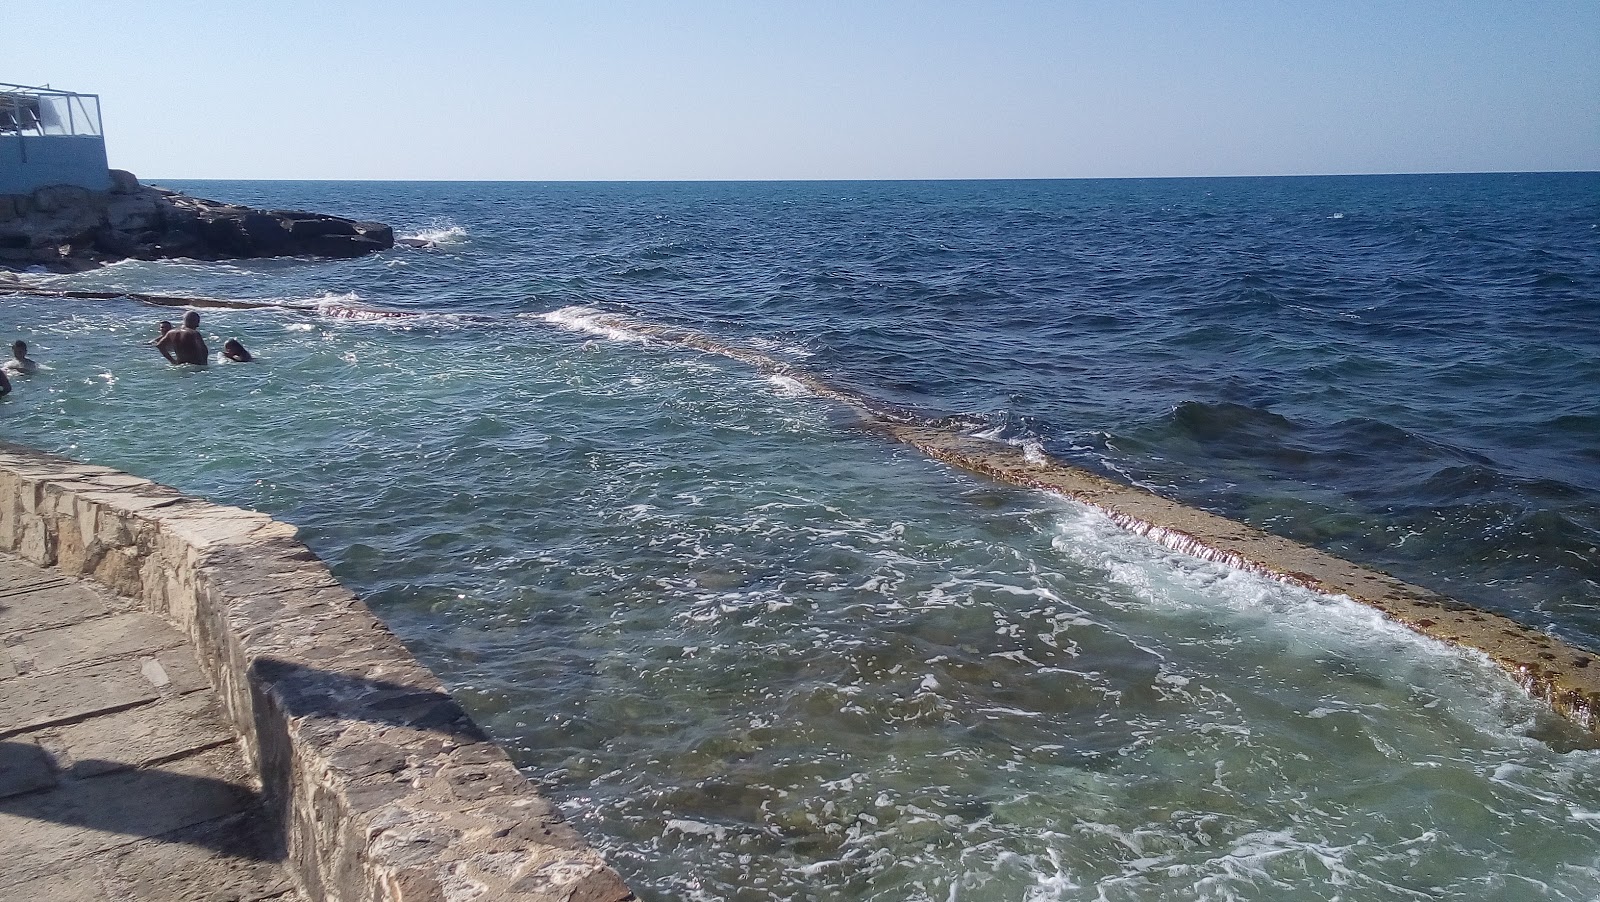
x=29 y=110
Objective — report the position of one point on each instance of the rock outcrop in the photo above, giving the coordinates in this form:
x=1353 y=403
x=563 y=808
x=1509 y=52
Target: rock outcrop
x=69 y=228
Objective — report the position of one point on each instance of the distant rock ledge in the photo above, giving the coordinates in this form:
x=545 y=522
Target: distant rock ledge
x=67 y=228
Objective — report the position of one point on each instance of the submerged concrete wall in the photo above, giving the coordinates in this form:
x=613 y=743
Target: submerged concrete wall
x=384 y=787
x=1546 y=668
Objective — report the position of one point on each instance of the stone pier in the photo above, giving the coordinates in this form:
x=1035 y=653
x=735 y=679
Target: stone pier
x=162 y=643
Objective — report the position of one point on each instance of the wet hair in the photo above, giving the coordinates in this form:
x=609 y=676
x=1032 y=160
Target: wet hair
x=191 y=320
x=166 y=326
x=233 y=350
x=19 y=348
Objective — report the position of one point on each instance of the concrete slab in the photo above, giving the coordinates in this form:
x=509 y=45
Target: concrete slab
x=40 y=700
x=91 y=641
x=55 y=605
x=174 y=671
x=167 y=729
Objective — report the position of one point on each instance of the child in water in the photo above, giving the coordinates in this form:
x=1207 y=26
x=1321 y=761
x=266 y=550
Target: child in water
x=234 y=350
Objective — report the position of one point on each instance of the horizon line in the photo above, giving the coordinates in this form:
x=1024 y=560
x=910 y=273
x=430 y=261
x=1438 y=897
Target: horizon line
x=1105 y=178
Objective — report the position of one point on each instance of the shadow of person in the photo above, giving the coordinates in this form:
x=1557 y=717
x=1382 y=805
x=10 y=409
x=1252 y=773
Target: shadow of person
x=313 y=692
x=176 y=802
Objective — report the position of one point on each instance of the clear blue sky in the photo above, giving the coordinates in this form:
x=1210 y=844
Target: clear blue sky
x=872 y=89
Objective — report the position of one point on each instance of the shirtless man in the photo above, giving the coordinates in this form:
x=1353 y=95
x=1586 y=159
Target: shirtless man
x=184 y=344
x=20 y=363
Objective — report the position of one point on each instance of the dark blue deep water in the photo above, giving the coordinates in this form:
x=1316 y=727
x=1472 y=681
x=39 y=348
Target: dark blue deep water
x=757 y=653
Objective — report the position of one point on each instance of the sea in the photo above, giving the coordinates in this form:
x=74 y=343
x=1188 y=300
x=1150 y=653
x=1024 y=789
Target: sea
x=574 y=455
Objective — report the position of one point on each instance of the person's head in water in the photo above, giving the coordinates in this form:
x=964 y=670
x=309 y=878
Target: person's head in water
x=233 y=350
x=166 y=326
x=191 y=320
x=19 y=349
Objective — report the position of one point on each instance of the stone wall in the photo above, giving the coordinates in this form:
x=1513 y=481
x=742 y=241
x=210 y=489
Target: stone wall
x=384 y=787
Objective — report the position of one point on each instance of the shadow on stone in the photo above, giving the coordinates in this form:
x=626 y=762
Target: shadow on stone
x=311 y=692
x=159 y=803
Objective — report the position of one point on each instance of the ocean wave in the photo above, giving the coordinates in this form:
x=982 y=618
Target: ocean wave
x=441 y=233
x=591 y=321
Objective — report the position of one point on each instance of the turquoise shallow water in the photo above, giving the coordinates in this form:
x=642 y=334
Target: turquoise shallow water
x=757 y=652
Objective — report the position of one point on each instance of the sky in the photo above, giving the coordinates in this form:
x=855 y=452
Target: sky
x=873 y=89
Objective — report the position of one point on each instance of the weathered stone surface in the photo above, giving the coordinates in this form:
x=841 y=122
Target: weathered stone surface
x=59 y=885
x=167 y=729
x=31 y=702
x=90 y=642
x=227 y=860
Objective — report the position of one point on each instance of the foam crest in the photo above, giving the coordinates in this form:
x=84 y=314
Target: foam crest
x=439 y=233
x=591 y=321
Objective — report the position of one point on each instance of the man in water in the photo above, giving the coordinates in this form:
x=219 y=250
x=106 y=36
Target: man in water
x=233 y=349
x=20 y=363
x=184 y=344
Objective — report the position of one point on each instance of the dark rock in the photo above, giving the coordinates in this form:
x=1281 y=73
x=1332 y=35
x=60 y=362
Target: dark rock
x=316 y=228
x=266 y=233
x=64 y=223
x=342 y=246
x=376 y=231
x=124 y=182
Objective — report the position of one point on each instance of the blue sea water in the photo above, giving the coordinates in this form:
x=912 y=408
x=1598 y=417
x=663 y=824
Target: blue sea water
x=758 y=652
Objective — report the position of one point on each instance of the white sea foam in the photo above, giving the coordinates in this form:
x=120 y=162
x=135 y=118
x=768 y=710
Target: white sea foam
x=592 y=322
x=787 y=386
x=439 y=232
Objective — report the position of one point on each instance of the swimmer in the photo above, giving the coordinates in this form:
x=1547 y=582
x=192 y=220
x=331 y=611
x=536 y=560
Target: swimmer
x=20 y=363
x=166 y=326
x=5 y=384
x=233 y=350
x=184 y=344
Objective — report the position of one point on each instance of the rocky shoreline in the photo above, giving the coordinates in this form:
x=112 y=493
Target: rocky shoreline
x=65 y=228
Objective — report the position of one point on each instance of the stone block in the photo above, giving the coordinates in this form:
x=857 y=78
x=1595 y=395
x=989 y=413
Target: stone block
x=54 y=604
x=167 y=729
x=43 y=699
x=92 y=641
x=36 y=542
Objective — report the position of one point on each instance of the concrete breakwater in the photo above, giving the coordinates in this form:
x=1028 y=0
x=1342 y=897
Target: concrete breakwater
x=384 y=788
x=1564 y=677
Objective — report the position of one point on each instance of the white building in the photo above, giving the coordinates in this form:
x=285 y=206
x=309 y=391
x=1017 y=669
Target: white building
x=50 y=137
